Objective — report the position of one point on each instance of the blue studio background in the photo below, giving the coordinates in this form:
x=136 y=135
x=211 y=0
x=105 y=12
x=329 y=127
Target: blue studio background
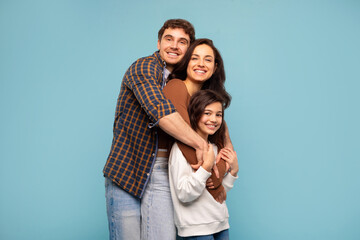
x=293 y=72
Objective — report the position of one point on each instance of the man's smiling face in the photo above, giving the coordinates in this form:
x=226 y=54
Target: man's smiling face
x=173 y=45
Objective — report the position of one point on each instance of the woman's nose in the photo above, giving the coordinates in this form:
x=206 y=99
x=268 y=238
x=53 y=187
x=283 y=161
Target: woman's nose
x=201 y=63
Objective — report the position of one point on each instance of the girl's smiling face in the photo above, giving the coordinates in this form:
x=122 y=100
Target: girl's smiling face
x=210 y=120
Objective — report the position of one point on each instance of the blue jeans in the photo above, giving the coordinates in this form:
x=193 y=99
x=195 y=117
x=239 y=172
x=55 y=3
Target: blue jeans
x=223 y=235
x=148 y=218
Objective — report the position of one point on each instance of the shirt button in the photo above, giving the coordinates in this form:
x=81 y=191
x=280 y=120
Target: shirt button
x=153 y=154
x=148 y=174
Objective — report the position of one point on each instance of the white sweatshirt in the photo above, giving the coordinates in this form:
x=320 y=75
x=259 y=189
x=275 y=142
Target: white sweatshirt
x=196 y=212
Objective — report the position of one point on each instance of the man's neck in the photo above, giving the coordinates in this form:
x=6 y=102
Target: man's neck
x=169 y=67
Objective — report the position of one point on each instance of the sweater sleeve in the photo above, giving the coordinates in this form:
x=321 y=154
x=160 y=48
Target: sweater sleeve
x=228 y=182
x=187 y=184
x=177 y=93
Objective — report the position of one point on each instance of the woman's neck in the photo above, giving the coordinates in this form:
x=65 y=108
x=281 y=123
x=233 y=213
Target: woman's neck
x=192 y=87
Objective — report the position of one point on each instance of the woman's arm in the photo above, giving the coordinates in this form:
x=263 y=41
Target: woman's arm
x=176 y=91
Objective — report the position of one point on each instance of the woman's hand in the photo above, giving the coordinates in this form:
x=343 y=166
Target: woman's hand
x=210 y=184
x=222 y=197
x=230 y=157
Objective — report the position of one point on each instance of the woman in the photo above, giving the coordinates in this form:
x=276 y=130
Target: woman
x=201 y=68
x=197 y=214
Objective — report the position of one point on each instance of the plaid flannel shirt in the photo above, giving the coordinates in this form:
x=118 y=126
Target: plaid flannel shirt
x=140 y=105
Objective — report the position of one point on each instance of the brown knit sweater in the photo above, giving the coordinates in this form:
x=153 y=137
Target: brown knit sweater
x=176 y=91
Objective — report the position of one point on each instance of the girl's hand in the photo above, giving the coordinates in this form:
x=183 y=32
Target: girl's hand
x=208 y=158
x=200 y=156
x=230 y=157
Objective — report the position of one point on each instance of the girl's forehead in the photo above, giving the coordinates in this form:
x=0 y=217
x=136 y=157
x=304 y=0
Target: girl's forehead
x=215 y=107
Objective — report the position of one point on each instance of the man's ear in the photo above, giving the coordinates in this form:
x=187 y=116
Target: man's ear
x=158 y=45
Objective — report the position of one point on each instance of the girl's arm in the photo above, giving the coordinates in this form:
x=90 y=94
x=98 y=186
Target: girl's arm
x=187 y=184
x=229 y=155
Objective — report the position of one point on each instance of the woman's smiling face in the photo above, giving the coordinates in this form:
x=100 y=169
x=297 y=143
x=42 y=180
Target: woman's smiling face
x=201 y=65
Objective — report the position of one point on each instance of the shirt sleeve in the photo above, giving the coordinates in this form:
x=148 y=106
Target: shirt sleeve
x=188 y=185
x=143 y=79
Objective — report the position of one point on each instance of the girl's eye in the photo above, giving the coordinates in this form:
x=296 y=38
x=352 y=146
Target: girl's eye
x=208 y=60
x=219 y=115
x=207 y=113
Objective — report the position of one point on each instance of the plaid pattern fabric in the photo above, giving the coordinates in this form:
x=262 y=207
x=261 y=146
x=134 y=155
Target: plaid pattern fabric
x=140 y=105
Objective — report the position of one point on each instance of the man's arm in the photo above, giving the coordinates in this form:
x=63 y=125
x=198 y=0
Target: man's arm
x=174 y=125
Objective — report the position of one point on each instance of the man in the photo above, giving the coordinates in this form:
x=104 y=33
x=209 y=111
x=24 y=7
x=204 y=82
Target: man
x=141 y=108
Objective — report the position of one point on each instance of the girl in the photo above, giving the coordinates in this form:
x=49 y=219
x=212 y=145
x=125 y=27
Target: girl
x=197 y=214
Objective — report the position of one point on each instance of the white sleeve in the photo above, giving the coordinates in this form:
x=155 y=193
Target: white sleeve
x=187 y=184
x=228 y=181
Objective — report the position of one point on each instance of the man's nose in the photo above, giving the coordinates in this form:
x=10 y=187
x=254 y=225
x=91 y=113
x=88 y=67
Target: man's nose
x=174 y=44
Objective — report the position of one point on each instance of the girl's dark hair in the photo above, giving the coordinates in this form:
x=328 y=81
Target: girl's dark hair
x=216 y=82
x=196 y=108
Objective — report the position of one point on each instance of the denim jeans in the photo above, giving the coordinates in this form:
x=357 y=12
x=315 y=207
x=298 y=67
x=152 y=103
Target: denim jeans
x=223 y=235
x=149 y=218
x=157 y=214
